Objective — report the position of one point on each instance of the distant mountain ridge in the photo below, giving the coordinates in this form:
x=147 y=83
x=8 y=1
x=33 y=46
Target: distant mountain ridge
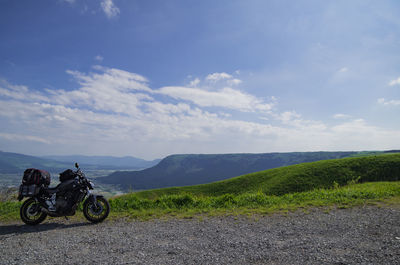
x=183 y=170
x=17 y=163
x=11 y=163
x=295 y=178
x=126 y=162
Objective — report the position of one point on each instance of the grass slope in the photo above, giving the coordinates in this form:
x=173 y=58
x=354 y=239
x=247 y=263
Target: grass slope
x=186 y=205
x=324 y=183
x=192 y=169
x=296 y=178
x=257 y=202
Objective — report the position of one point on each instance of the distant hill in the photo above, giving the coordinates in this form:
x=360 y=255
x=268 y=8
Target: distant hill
x=11 y=163
x=106 y=162
x=295 y=178
x=183 y=170
x=17 y=163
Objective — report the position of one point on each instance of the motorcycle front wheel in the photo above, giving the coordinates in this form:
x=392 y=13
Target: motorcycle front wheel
x=96 y=211
x=30 y=212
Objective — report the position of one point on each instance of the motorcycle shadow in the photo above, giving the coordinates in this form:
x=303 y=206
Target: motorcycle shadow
x=24 y=229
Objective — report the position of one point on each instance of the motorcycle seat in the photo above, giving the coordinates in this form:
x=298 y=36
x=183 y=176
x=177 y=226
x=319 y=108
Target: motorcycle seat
x=66 y=185
x=52 y=190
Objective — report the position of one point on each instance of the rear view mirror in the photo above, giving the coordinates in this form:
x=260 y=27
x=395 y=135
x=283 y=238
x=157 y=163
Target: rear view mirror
x=76 y=165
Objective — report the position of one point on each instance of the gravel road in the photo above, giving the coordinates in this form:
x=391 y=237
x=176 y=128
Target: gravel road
x=363 y=235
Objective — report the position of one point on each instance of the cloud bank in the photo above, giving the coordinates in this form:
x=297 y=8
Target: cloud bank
x=391 y=102
x=116 y=112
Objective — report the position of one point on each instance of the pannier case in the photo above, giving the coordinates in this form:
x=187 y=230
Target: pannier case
x=29 y=190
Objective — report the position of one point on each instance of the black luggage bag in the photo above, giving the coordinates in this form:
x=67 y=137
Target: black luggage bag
x=32 y=181
x=67 y=175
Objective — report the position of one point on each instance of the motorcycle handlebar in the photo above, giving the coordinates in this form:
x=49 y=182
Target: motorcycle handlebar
x=82 y=176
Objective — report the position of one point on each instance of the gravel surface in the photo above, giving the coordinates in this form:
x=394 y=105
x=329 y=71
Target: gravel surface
x=369 y=235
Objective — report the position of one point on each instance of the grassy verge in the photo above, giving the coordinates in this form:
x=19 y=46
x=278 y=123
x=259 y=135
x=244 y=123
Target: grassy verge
x=188 y=205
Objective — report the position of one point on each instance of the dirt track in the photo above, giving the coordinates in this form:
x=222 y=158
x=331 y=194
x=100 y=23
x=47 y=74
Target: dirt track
x=369 y=235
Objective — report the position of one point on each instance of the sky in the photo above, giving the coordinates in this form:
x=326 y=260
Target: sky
x=154 y=78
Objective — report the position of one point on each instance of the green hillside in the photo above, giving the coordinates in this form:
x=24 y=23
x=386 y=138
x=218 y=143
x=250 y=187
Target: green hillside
x=193 y=169
x=329 y=183
x=296 y=178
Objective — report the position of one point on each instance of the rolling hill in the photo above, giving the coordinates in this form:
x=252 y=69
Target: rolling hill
x=296 y=178
x=183 y=170
x=312 y=184
x=17 y=163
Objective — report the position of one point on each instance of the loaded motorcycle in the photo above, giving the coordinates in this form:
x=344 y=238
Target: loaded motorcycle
x=62 y=200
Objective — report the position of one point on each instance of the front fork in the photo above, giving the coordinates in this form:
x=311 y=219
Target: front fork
x=92 y=198
x=95 y=207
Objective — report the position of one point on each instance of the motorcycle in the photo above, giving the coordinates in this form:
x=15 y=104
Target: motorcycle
x=62 y=200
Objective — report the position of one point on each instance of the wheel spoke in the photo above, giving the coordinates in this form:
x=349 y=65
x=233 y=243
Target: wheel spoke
x=97 y=211
x=30 y=212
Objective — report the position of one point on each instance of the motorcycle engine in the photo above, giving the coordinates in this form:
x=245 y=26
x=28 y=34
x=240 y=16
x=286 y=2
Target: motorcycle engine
x=64 y=202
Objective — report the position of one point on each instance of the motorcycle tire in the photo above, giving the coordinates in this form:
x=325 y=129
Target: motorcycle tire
x=30 y=212
x=96 y=212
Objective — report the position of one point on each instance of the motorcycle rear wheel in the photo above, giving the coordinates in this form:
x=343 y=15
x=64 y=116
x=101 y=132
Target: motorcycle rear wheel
x=30 y=212
x=98 y=211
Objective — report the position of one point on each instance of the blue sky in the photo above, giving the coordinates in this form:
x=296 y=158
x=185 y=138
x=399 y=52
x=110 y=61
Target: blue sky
x=153 y=78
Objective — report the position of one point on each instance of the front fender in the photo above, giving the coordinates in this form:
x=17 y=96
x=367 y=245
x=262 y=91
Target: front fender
x=93 y=198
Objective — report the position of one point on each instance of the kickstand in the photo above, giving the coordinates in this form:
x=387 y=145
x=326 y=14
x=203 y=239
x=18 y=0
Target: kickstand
x=66 y=218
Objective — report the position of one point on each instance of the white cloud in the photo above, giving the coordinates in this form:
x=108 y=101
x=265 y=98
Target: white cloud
x=293 y=119
x=385 y=102
x=218 y=76
x=112 y=90
x=288 y=116
x=343 y=70
x=116 y=112
x=194 y=83
x=109 y=8
x=226 y=98
x=19 y=137
x=358 y=134
x=18 y=92
x=99 y=58
x=212 y=96
x=395 y=82
x=341 y=116
x=234 y=82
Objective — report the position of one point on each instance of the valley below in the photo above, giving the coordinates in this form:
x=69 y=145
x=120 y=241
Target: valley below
x=358 y=235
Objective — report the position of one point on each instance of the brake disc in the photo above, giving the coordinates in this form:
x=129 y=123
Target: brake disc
x=96 y=209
